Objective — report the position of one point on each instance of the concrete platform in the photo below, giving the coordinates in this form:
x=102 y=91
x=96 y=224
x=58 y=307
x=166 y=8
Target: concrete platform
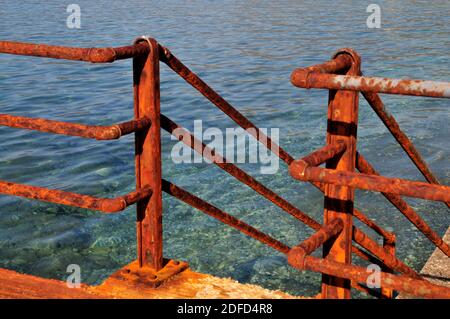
x=436 y=269
x=187 y=284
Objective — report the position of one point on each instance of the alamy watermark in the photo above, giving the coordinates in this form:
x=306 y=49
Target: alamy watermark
x=73 y=21
x=74 y=279
x=374 y=279
x=374 y=19
x=231 y=144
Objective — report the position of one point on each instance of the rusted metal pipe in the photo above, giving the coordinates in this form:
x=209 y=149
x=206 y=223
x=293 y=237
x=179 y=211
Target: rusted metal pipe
x=338 y=202
x=323 y=154
x=188 y=139
x=215 y=212
x=339 y=64
x=308 y=80
x=190 y=77
x=372 y=182
x=298 y=253
x=146 y=90
x=391 y=124
x=106 y=205
x=419 y=288
x=65 y=128
x=93 y=55
x=364 y=167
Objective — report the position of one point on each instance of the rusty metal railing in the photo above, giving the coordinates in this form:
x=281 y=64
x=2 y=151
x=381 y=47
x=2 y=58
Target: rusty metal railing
x=336 y=235
x=342 y=77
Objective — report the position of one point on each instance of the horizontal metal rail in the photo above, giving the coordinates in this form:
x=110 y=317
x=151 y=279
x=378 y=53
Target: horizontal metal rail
x=106 y=205
x=364 y=167
x=299 y=258
x=415 y=287
x=215 y=212
x=371 y=182
x=307 y=79
x=65 y=128
x=93 y=55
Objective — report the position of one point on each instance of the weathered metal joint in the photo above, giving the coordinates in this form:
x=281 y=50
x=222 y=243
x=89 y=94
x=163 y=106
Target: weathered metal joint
x=297 y=169
x=300 y=78
x=101 y=55
x=297 y=255
x=73 y=129
x=108 y=133
x=164 y=54
x=113 y=205
x=106 y=205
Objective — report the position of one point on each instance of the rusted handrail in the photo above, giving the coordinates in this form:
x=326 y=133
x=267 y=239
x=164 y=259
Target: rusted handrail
x=299 y=258
x=371 y=182
x=343 y=62
x=93 y=55
x=147 y=53
x=415 y=287
x=213 y=211
x=306 y=79
x=106 y=205
x=65 y=128
x=340 y=86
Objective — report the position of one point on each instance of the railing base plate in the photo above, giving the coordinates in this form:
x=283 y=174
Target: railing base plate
x=147 y=276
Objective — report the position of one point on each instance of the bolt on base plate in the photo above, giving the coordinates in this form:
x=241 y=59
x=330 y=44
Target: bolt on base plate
x=147 y=276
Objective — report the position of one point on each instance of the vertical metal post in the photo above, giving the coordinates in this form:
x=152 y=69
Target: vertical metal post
x=390 y=249
x=338 y=202
x=148 y=157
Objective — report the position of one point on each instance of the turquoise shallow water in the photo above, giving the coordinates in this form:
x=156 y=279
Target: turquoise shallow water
x=246 y=51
